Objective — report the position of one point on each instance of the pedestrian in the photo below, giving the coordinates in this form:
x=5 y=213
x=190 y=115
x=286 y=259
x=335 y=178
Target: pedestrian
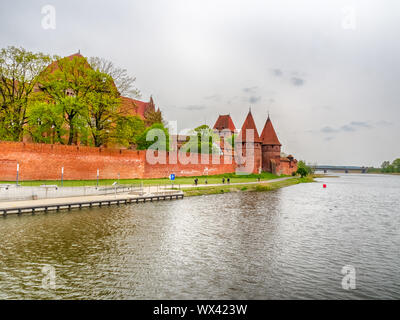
x=223 y=180
x=206 y=181
x=195 y=181
x=228 y=180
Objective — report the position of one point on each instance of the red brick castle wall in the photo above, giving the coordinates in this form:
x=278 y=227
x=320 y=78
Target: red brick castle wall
x=44 y=162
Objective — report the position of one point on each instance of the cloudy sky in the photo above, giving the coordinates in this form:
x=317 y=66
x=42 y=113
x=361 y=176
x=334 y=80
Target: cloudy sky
x=327 y=71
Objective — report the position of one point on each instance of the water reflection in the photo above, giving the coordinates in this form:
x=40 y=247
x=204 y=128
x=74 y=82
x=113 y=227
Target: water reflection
x=290 y=243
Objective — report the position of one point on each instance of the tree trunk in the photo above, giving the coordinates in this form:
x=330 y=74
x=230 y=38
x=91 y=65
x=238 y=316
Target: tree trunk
x=71 y=134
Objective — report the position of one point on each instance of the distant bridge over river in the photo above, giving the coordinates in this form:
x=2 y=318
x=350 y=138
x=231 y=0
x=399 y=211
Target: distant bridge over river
x=345 y=169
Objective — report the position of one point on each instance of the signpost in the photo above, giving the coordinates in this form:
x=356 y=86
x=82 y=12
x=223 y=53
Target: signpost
x=172 y=178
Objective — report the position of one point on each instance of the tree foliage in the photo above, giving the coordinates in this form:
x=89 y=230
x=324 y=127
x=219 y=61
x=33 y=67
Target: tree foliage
x=156 y=133
x=66 y=100
x=19 y=75
x=302 y=171
x=231 y=140
x=128 y=130
x=393 y=167
x=45 y=123
x=302 y=164
x=152 y=117
x=87 y=98
x=201 y=140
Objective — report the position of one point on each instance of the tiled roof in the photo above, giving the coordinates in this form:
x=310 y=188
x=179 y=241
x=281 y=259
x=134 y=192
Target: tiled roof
x=54 y=65
x=128 y=106
x=268 y=135
x=249 y=124
x=224 y=122
x=132 y=107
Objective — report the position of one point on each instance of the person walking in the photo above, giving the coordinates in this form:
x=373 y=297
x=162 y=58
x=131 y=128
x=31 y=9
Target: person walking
x=223 y=180
x=228 y=180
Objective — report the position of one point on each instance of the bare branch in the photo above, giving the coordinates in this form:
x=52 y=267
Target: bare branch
x=123 y=81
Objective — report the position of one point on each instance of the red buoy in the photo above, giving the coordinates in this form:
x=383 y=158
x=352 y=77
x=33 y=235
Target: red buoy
x=324 y=185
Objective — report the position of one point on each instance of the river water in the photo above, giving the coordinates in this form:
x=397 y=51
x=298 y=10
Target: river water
x=289 y=243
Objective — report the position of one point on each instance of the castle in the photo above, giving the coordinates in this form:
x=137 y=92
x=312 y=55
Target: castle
x=264 y=152
x=259 y=153
x=128 y=107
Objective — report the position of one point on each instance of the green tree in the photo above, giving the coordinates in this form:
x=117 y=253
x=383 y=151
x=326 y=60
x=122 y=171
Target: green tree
x=152 y=117
x=386 y=167
x=149 y=136
x=88 y=98
x=231 y=140
x=396 y=165
x=45 y=123
x=128 y=129
x=20 y=71
x=302 y=171
x=102 y=107
x=307 y=168
x=201 y=140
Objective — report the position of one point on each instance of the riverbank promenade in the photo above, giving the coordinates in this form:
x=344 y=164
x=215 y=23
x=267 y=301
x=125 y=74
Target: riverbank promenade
x=151 y=193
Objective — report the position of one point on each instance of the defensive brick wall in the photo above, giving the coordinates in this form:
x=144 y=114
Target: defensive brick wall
x=44 y=162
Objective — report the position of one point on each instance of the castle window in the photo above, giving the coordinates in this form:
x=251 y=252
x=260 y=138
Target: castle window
x=70 y=93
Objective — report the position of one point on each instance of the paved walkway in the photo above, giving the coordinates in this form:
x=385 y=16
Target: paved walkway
x=227 y=184
x=148 y=190
x=80 y=199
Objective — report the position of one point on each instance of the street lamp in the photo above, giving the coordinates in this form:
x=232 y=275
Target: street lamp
x=98 y=173
x=62 y=176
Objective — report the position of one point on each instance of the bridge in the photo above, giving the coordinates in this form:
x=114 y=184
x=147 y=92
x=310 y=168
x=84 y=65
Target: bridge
x=345 y=169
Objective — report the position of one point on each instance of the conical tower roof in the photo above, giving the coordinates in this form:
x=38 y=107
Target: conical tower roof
x=249 y=124
x=224 y=122
x=268 y=135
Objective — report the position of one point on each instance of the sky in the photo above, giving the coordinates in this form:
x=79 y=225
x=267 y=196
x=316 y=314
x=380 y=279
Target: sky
x=326 y=71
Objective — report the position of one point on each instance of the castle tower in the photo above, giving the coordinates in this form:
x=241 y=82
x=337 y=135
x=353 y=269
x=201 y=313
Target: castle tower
x=251 y=148
x=271 y=148
x=224 y=128
x=224 y=125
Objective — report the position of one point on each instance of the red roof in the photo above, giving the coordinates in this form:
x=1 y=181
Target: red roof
x=54 y=65
x=268 y=135
x=224 y=122
x=132 y=107
x=249 y=124
x=128 y=106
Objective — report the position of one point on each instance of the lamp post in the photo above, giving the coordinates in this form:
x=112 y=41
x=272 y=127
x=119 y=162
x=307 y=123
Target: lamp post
x=98 y=173
x=17 y=173
x=62 y=176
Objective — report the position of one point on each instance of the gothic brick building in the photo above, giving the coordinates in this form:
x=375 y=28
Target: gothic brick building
x=128 y=107
x=262 y=152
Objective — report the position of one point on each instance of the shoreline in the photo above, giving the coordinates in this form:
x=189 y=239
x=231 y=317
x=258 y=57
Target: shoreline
x=179 y=180
x=258 y=187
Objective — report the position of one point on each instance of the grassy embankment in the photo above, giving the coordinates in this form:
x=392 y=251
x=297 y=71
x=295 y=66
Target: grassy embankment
x=153 y=182
x=197 y=191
